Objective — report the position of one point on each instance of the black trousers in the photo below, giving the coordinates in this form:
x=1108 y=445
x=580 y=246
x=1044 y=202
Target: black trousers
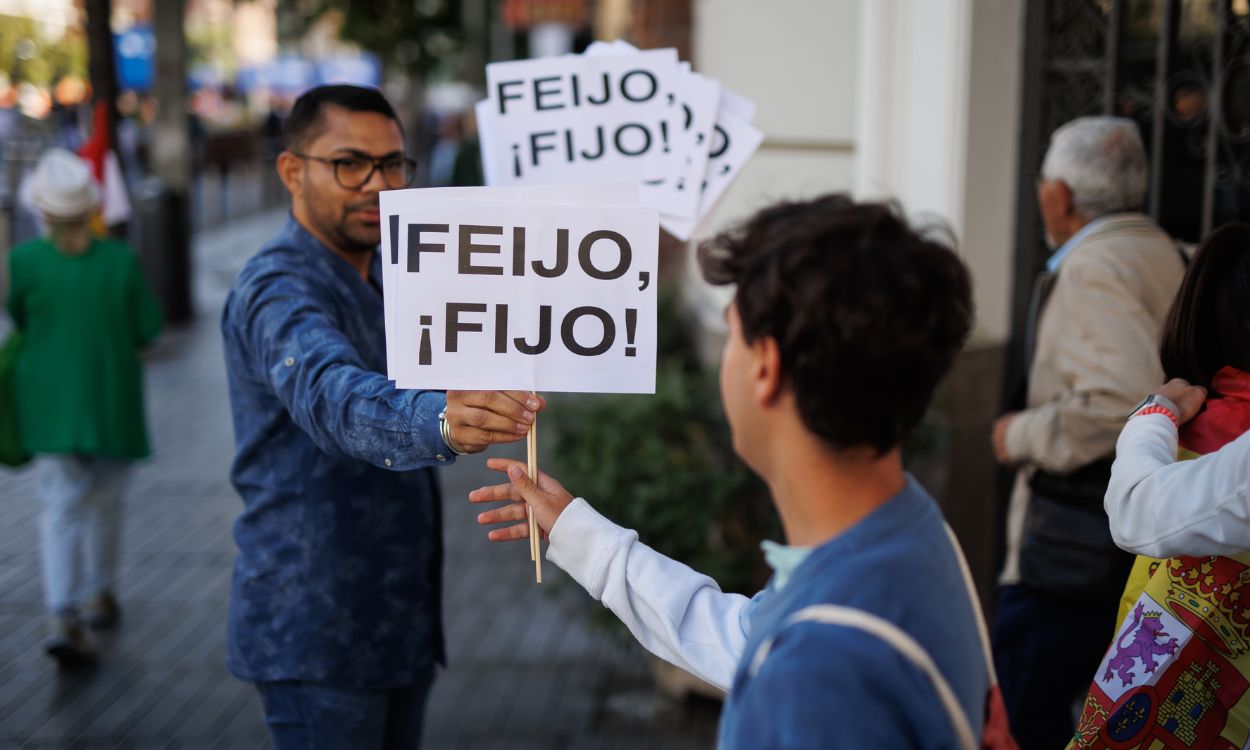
x=1046 y=650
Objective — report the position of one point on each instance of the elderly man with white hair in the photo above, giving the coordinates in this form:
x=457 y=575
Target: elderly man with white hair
x=83 y=310
x=1093 y=341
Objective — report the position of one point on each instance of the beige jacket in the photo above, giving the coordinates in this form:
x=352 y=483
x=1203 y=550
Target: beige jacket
x=1096 y=354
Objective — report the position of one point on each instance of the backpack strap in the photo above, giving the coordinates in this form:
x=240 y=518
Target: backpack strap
x=900 y=641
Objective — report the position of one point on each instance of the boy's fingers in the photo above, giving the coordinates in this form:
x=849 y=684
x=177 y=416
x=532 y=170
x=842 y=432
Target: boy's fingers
x=510 y=533
x=502 y=465
x=524 y=485
x=513 y=512
x=492 y=494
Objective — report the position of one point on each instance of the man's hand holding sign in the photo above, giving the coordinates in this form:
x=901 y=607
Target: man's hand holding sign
x=508 y=291
x=477 y=420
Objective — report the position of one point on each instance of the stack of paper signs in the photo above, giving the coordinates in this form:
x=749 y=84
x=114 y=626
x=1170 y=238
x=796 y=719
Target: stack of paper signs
x=617 y=114
x=535 y=287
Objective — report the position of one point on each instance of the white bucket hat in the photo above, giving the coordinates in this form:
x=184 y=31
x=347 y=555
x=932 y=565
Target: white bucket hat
x=62 y=186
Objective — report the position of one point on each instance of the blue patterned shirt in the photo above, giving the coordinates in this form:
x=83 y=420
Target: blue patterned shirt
x=339 y=570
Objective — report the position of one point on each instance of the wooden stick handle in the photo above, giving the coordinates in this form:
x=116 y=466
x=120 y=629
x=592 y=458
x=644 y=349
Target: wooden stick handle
x=531 y=443
x=529 y=470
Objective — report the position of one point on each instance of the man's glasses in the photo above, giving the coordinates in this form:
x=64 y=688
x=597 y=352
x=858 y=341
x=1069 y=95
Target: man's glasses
x=354 y=172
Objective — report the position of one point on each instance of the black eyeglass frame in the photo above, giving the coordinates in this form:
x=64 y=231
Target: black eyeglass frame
x=376 y=165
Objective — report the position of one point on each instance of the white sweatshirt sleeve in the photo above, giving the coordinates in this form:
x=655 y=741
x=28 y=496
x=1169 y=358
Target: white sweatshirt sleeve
x=678 y=614
x=1163 y=508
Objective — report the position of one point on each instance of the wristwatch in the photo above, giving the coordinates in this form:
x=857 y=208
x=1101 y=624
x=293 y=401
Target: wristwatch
x=1156 y=404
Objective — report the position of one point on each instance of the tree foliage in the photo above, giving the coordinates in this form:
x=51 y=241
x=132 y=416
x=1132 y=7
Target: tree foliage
x=28 y=55
x=415 y=36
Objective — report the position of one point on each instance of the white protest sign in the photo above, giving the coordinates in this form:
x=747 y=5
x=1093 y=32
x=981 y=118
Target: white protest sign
x=696 y=102
x=580 y=119
x=699 y=99
x=734 y=140
x=600 y=195
x=613 y=114
x=658 y=186
x=486 y=140
x=520 y=295
x=733 y=144
x=738 y=104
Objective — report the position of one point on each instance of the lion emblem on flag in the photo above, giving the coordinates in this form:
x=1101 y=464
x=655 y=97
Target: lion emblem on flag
x=1146 y=630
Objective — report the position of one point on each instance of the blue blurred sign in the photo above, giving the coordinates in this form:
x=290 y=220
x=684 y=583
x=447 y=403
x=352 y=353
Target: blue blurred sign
x=135 y=49
x=290 y=74
x=204 y=76
x=362 y=70
x=293 y=74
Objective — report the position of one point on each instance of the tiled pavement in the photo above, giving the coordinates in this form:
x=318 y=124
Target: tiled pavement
x=525 y=672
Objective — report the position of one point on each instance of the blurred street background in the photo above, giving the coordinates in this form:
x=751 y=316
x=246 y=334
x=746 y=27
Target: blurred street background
x=525 y=669
x=945 y=105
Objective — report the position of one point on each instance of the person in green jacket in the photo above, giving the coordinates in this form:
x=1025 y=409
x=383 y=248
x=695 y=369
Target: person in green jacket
x=84 y=311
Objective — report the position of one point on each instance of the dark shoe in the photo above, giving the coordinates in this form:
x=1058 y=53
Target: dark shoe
x=68 y=643
x=102 y=612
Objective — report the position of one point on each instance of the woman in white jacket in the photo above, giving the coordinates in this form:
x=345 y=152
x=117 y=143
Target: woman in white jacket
x=1161 y=507
x=1183 y=607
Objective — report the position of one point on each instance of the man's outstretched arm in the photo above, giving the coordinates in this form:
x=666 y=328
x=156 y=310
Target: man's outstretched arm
x=349 y=409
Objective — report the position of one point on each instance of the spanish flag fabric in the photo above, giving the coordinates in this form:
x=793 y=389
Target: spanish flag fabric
x=1177 y=674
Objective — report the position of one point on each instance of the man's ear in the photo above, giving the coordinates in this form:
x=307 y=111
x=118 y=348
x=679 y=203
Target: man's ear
x=291 y=171
x=1063 y=198
x=766 y=369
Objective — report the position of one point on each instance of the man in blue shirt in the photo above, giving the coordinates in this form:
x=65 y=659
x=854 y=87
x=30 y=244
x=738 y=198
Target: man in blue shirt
x=335 y=611
x=843 y=321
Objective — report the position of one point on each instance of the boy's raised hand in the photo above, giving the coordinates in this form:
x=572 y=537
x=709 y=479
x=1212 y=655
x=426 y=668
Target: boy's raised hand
x=547 y=498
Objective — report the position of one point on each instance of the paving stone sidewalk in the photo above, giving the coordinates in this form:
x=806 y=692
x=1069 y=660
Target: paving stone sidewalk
x=525 y=672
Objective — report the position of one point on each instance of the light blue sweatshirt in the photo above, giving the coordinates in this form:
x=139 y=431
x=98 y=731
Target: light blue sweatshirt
x=821 y=686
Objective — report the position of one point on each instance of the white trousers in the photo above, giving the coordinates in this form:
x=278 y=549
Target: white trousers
x=80 y=529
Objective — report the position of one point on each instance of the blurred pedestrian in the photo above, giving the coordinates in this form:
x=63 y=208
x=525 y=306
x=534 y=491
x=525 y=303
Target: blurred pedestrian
x=868 y=634
x=335 y=611
x=84 y=310
x=467 y=169
x=271 y=146
x=1093 y=341
x=443 y=154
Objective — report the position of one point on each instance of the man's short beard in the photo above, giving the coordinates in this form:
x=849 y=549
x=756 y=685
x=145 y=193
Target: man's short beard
x=353 y=247
x=351 y=244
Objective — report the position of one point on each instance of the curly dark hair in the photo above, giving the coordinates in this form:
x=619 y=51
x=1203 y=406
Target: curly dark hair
x=867 y=312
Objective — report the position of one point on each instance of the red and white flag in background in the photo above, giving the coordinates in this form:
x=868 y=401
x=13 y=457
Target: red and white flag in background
x=98 y=152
